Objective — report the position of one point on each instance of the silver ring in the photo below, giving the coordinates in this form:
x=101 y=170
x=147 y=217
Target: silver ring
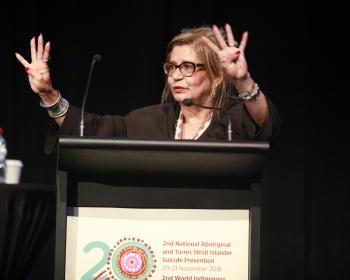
x=45 y=60
x=235 y=44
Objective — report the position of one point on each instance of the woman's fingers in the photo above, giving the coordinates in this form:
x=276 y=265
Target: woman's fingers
x=210 y=44
x=39 y=53
x=21 y=59
x=40 y=50
x=219 y=37
x=33 y=49
x=43 y=52
x=244 y=40
x=230 y=39
x=46 y=54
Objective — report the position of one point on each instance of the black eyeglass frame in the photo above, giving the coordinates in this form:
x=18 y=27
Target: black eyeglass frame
x=195 y=66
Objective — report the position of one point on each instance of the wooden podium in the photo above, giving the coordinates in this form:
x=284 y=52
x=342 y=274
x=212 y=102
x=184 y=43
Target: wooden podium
x=147 y=174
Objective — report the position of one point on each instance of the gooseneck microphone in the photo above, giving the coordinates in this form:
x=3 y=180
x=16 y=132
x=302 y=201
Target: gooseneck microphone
x=188 y=102
x=96 y=58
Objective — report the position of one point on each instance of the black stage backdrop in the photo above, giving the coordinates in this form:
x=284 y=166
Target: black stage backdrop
x=293 y=53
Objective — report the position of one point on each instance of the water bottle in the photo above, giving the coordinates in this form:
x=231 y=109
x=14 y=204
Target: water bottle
x=3 y=154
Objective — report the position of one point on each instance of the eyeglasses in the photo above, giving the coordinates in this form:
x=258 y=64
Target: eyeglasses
x=187 y=68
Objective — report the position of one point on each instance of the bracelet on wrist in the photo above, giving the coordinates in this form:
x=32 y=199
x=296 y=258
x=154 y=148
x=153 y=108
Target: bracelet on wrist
x=52 y=104
x=57 y=109
x=251 y=94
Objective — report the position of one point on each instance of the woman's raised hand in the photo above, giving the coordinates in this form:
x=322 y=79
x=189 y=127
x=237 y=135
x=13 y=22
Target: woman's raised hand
x=230 y=54
x=38 y=69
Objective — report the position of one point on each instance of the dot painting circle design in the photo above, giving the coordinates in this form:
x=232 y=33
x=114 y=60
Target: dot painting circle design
x=131 y=258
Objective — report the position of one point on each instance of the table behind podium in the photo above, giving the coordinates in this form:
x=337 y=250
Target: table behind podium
x=147 y=174
x=27 y=215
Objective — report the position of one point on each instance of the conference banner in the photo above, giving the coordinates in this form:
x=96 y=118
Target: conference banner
x=160 y=244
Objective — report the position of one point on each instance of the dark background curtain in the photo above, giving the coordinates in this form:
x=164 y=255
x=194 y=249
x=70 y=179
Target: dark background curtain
x=294 y=53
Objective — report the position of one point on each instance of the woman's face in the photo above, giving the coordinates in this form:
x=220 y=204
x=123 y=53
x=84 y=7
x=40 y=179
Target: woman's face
x=198 y=87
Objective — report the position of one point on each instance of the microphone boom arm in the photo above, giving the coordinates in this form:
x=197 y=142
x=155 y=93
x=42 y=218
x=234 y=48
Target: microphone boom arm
x=95 y=59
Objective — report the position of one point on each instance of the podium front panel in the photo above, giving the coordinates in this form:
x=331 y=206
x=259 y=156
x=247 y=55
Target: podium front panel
x=96 y=175
x=130 y=243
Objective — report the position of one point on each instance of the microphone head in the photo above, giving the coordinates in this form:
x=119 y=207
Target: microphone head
x=97 y=57
x=187 y=102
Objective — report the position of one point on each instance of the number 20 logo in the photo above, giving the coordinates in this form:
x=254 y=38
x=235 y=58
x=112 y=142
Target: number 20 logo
x=129 y=258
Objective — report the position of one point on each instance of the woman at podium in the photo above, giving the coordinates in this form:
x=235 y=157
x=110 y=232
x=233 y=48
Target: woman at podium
x=209 y=94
